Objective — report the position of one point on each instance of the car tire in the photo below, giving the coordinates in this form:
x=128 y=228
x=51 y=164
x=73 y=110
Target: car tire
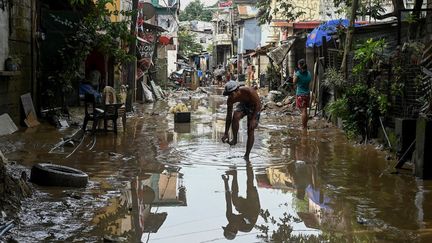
x=45 y=174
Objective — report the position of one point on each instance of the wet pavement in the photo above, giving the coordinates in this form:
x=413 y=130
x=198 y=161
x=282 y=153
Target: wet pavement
x=158 y=181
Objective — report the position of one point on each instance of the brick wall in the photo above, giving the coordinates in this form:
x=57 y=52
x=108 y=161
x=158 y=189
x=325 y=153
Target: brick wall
x=19 y=45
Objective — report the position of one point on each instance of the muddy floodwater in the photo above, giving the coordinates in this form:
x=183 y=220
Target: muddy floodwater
x=159 y=181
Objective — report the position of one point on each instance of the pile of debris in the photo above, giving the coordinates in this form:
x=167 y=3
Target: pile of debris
x=13 y=189
x=277 y=101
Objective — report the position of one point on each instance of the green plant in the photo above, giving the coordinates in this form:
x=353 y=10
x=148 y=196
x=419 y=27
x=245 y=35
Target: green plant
x=398 y=85
x=188 y=43
x=368 y=55
x=360 y=109
x=338 y=108
x=383 y=103
x=334 y=78
x=195 y=10
x=373 y=8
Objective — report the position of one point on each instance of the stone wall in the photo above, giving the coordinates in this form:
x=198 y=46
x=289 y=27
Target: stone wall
x=19 y=45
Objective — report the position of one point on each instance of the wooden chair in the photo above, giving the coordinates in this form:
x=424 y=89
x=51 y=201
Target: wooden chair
x=92 y=113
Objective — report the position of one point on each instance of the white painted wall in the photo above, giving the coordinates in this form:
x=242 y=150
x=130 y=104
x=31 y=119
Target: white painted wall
x=4 y=36
x=171 y=59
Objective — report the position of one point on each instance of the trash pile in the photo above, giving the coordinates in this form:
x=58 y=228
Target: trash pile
x=276 y=101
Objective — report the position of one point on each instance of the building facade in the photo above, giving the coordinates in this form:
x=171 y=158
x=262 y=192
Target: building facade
x=17 y=42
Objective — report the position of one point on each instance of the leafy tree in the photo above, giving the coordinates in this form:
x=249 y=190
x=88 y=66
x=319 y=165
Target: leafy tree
x=283 y=8
x=195 y=11
x=188 y=43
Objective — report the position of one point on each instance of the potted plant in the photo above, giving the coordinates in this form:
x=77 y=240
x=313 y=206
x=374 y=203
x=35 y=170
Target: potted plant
x=12 y=63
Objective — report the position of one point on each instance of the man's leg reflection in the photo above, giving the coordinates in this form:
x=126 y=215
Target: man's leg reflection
x=248 y=208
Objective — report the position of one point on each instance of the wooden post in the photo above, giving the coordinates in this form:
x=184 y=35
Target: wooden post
x=423 y=153
x=325 y=52
x=349 y=38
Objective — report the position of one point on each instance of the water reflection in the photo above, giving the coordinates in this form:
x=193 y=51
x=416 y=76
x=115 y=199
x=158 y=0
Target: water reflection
x=315 y=184
x=137 y=212
x=248 y=208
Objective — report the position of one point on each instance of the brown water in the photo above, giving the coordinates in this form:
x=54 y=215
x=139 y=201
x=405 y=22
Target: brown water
x=164 y=184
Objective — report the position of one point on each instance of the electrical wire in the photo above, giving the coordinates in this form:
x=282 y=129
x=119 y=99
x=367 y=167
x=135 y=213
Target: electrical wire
x=82 y=139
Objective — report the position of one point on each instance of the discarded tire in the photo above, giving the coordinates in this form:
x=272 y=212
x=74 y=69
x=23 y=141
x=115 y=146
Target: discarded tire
x=45 y=174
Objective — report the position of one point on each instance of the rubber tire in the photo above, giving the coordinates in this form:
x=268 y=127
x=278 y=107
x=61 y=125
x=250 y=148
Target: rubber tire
x=45 y=174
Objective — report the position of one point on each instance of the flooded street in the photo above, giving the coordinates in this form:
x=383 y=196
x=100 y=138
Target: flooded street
x=164 y=182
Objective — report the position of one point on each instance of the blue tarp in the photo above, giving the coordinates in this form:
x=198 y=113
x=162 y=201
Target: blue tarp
x=85 y=88
x=326 y=30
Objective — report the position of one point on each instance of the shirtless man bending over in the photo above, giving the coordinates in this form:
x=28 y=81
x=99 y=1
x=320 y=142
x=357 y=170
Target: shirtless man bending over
x=249 y=105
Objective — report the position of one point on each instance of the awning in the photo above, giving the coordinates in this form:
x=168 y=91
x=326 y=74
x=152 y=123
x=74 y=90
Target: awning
x=279 y=53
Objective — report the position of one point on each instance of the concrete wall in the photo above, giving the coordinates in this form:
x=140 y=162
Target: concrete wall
x=250 y=36
x=269 y=35
x=310 y=7
x=4 y=36
x=204 y=39
x=19 y=43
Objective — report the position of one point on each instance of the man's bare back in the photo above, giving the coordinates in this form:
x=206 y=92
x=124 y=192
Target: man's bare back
x=249 y=105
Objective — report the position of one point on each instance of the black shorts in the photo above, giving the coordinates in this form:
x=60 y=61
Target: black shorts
x=247 y=110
